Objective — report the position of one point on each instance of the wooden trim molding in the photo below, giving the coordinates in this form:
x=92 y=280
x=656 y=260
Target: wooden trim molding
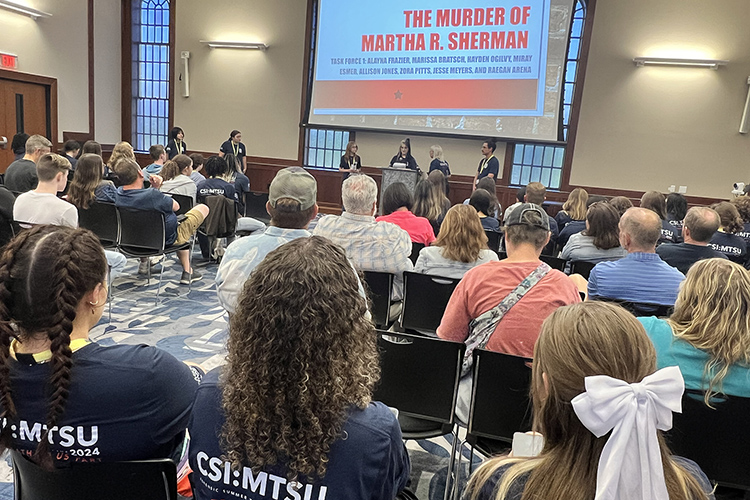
x=126 y=66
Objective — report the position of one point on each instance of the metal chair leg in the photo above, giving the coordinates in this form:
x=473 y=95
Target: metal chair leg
x=450 y=482
x=109 y=291
x=161 y=273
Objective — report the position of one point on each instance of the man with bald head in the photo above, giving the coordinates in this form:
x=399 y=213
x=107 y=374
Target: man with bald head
x=641 y=276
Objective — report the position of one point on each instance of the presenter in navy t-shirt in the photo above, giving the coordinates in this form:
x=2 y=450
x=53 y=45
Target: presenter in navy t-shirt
x=176 y=145
x=404 y=159
x=100 y=404
x=489 y=166
x=234 y=146
x=291 y=413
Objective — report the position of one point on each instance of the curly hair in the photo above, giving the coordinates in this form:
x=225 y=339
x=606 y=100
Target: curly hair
x=41 y=283
x=731 y=222
x=461 y=237
x=301 y=354
x=742 y=204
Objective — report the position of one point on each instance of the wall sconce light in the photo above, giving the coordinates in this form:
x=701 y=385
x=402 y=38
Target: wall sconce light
x=745 y=121
x=215 y=44
x=22 y=9
x=674 y=61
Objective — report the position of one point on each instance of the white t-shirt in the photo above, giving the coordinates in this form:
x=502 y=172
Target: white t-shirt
x=44 y=208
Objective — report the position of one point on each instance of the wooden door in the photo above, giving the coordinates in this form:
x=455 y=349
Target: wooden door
x=24 y=107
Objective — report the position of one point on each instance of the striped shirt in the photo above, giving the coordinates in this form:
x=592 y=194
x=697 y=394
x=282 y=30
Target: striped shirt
x=639 y=277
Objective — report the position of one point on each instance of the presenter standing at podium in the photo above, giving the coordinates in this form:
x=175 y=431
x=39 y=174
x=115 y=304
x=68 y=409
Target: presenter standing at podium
x=351 y=163
x=234 y=146
x=403 y=158
x=489 y=166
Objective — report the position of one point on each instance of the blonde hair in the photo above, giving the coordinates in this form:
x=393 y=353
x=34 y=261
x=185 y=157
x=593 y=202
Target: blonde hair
x=122 y=150
x=437 y=151
x=712 y=313
x=461 y=236
x=428 y=200
x=577 y=341
x=575 y=206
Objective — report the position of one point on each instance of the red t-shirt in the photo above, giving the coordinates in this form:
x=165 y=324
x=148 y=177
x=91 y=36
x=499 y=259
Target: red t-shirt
x=419 y=228
x=485 y=286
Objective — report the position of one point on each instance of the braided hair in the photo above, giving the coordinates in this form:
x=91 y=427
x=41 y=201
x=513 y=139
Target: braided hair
x=44 y=273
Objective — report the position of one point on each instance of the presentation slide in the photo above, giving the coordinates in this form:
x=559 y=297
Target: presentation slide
x=453 y=67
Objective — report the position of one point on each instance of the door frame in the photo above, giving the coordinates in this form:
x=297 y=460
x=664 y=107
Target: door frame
x=50 y=86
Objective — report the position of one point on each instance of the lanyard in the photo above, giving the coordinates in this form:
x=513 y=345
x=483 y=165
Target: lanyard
x=352 y=161
x=235 y=148
x=178 y=143
x=486 y=161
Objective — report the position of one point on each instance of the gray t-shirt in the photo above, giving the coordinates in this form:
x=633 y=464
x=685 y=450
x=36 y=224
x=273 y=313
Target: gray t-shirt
x=44 y=208
x=581 y=247
x=21 y=176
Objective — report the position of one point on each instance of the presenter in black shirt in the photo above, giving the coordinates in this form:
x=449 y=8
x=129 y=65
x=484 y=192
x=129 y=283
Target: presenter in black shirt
x=489 y=166
x=234 y=146
x=176 y=145
x=350 y=162
x=404 y=159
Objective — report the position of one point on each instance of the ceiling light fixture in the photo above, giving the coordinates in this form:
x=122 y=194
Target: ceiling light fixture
x=216 y=44
x=22 y=9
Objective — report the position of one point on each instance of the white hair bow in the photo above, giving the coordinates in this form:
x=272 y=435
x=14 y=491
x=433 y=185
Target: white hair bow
x=630 y=465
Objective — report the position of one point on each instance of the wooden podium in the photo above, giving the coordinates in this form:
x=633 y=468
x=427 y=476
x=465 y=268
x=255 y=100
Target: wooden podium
x=406 y=176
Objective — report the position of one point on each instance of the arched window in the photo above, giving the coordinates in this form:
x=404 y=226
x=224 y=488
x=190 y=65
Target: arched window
x=544 y=163
x=150 y=72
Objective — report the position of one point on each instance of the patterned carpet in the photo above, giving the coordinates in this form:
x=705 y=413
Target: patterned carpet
x=190 y=325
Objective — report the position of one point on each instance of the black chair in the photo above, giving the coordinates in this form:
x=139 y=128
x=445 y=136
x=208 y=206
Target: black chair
x=717 y=439
x=142 y=480
x=142 y=234
x=380 y=292
x=581 y=267
x=554 y=262
x=640 y=308
x=255 y=206
x=185 y=202
x=493 y=240
x=425 y=300
x=103 y=220
x=419 y=377
x=415 y=249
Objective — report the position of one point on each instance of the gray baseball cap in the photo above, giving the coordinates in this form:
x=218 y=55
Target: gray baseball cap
x=296 y=184
x=528 y=214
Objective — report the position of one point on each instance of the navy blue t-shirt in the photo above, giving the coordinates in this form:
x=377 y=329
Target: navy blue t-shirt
x=441 y=165
x=745 y=233
x=569 y=230
x=241 y=186
x=150 y=199
x=487 y=167
x=731 y=245
x=490 y=224
x=370 y=463
x=214 y=186
x=669 y=233
x=228 y=147
x=127 y=402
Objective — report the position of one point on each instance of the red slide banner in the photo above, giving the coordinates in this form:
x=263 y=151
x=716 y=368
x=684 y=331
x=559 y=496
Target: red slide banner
x=427 y=94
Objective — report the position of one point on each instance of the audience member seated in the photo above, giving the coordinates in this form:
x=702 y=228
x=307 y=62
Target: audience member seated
x=488 y=184
x=536 y=193
x=20 y=175
x=122 y=151
x=621 y=204
x=176 y=175
x=293 y=405
x=216 y=170
x=654 y=201
x=591 y=365
x=71 y=149
x=88 y=184
x=430 y=203
x=7 y=200
x=520 y=196
x=42 y=206
x=480 y=201
x=53 y=288
x=576 y=226
x=18 y=145
x=699 y=226
x=370 y=245
x=641 y=276
x=291 y=205
x=440 y=182
x=726 y=240
x=600 y=241
x=92 y=147
x=236 y=176
x=742 y=204
x=677 y=208
x=198 y=162
x=397 y=205
x=460 y=246
x=574 y=209
x=158 y=157
x=438 y=163
x=132 y=195
x=707 y=335
x=500 y=306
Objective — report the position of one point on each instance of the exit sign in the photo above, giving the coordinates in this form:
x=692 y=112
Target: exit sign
x=8 y=61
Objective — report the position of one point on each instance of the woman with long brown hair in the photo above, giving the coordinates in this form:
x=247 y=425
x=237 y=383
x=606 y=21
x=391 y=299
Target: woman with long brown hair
x=292 y=408
x=88 y=182
x=460 y=246
x=726 y=240
x=350 y=162
x=579 y=345
x=657 y=203
x=707 y=335
x=81 y=401
x=601 y=239
x=429 y=203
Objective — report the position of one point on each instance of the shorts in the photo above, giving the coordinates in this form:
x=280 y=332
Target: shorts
x=189 y=225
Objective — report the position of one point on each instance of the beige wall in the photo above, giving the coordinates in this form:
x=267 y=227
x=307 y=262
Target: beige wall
x=107 y=76
x=54 y=47
x=648 y=128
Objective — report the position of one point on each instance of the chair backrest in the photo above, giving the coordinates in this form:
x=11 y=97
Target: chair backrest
x=141 y=230
x=415 y=249
x=553 y=262
x=255 y=205
x=144 y=480
x=101 y=219
x=640 y=308
x=185 y=202
x=581 y=267
x=425 y=300
x=717 y=439
x=419 y=375
x=380 y=291
x=500 y=403
x=222 y=216
x=493 y=240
